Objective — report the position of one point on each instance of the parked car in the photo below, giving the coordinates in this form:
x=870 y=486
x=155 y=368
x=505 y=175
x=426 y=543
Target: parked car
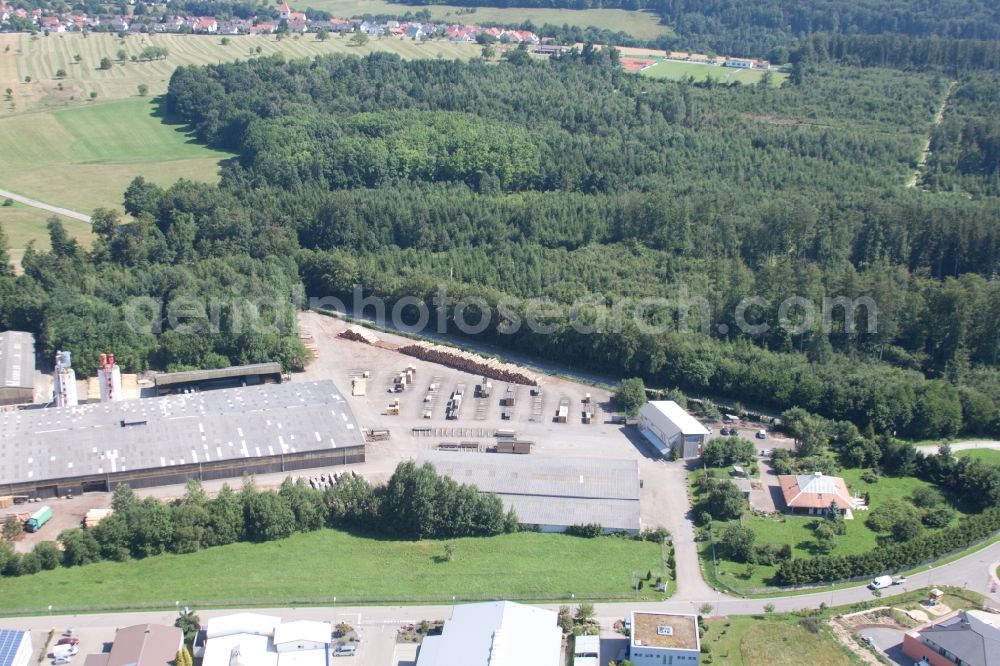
x=761 y=434
x=734 y=432
x=765 y=452
x=898 y=580
x=880 y=583
x=68 y=640
x=724 y=431
x=63 y=659
x=345 y=650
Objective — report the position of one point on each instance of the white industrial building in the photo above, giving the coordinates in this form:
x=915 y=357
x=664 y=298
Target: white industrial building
x=551 y=494
x=252 y=639
x=496 y=633
x=15 y=647
x=669 y=427
x=664 y=638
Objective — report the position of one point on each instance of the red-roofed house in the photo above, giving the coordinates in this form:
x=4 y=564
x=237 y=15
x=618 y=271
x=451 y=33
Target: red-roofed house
x=206 y=24
x=814 y=493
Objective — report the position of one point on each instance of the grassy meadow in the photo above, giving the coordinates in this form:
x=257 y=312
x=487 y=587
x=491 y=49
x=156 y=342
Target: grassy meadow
x=990 y=456
x=318 y=565
x=643 y=25
x=777 y=641
x=676 y=70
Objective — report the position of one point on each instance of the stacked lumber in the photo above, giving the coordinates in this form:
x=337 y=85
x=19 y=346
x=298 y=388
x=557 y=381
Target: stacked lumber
x=471 y=363
x=95 y=516
x=309 y=343
x=359 y=334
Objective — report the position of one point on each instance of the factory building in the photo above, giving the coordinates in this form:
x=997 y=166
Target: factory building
x=17 y=368
x=170 y=439
x=551 y=494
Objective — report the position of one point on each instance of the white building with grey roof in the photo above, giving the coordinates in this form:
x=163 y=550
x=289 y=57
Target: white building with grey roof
x=495 y=633
x=551 y=494
x=17 y=368
x=671 y=430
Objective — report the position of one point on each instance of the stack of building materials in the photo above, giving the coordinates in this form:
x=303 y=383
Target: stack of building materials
x=393 y=408
x=309 y=343
x=359 y=334
x=471 y=363
x=95 y=516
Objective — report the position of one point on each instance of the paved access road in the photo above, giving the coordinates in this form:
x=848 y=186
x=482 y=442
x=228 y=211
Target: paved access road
x=44 y=206
x=931 y=449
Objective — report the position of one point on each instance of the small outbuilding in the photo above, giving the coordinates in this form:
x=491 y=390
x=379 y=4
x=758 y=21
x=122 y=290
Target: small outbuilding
x=669 y=428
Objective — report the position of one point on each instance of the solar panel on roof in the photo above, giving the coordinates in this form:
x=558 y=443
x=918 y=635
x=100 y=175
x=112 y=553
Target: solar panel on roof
x=10 y=642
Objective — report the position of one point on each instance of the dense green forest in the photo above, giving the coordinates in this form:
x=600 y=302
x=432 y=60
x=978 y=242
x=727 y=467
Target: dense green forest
x=568 y=180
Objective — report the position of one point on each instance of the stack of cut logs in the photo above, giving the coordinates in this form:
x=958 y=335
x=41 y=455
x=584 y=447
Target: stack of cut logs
x=471 y=363
x=95 y=516
x=359 y=334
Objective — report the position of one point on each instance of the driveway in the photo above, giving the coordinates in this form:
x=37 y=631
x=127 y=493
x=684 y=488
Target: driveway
x=44 y=206
x=889 y=642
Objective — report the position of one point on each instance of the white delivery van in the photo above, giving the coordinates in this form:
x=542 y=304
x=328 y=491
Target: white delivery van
x=880 y=583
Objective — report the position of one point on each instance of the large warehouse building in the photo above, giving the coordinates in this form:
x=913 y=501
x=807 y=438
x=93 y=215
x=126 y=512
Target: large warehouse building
x=17 y=368
x=551 y=494
x=670 y=428
x=158 y=441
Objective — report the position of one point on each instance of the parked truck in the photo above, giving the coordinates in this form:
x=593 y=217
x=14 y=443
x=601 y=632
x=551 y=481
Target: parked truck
x=38 y=519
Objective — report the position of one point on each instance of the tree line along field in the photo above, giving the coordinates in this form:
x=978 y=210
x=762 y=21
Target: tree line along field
x=40 y=57
x=639 y=24
x=524 y=565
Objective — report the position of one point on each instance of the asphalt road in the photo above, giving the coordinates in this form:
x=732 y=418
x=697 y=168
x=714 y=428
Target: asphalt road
x=44 y=206
x=931 y=449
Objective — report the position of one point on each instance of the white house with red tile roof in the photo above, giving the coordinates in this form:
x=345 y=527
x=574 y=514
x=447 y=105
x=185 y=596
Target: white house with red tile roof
x=815 y=493
x=206 y=24
x=284 y=11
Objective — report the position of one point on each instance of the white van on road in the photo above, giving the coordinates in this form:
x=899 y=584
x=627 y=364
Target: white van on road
x=880 y=583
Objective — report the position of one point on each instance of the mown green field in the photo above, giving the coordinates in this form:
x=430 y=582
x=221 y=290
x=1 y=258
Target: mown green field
x=780 y=641
x=83 y=158
x=991 y=456
x=643 y=25
x=676 y=70
x=320 y=565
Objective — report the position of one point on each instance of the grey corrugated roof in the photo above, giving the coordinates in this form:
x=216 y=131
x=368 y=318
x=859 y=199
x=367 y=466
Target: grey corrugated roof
x=232 y=423
x=170 y=378
x=604 y=478
x=968 y=638
x=17 y=360
x=551 y=491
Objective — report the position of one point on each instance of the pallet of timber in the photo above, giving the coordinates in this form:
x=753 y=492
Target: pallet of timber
x=359 y=334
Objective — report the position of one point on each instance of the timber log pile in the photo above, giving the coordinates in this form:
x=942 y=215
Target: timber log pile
x=359 y=334
x=471 y=363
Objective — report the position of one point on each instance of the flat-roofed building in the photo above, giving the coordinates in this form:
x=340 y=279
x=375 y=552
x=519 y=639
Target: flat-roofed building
x=227 y=433
x=17 y=368
x=671 y=430
x=253 y=639
x=216 y=378
x=551 y=494
x=664 y=638
x=587 y=651
x=495 y=633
